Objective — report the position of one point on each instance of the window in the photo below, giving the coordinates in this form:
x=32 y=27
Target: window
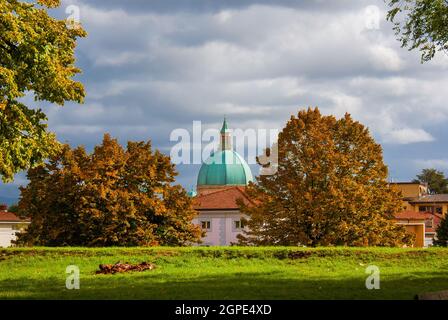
x=432 y=209
x=239 y=224
x=429 y=223
x=206 y=225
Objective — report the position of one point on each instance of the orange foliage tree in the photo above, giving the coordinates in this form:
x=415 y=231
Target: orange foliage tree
x=330 y=188
x=111 y=197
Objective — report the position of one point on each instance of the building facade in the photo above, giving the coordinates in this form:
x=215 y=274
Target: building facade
x=223 y=177
x=422 y=211
x=220 y=183
x=10 y=225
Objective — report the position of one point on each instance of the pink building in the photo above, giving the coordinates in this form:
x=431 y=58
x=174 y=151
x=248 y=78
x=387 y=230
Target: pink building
x=221 y=181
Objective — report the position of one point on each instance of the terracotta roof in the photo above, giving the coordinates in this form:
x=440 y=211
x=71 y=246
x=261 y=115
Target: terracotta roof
x=9 y=217
x=220 y=200
x=407 y=182
x=430 y=198
x=412 y=215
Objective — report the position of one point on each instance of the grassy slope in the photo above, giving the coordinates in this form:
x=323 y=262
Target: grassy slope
x=224 y=273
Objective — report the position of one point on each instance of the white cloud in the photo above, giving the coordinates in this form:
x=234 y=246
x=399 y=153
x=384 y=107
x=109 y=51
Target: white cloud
x=120 y=59
x=385 y=58
x=258 y=64
x=432 y=163
x=224 y=16
x=407 y=136
x=79 y=129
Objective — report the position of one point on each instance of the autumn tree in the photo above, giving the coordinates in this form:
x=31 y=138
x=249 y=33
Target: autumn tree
x=330 y=188
x=421 y=25
x=436 y=180
x=36 y=58
x=14 y=208
x=111 y=197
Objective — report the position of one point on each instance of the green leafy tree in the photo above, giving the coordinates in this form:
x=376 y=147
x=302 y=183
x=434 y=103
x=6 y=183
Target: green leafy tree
x=330 y=188
x=36 y=56
x=442 y=233
x=435 y=179
x=421 y=24
x=111 y=197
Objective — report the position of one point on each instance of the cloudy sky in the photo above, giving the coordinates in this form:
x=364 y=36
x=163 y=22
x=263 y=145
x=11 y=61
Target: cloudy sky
x=150 y=67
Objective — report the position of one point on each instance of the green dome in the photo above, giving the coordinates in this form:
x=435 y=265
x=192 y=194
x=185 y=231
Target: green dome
x=225 y=167
x=192 y=193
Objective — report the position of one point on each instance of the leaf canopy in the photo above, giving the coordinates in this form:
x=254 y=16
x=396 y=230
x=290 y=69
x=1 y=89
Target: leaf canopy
x=36 y=58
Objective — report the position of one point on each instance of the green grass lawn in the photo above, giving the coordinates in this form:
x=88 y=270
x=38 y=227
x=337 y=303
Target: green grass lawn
x=224 y=273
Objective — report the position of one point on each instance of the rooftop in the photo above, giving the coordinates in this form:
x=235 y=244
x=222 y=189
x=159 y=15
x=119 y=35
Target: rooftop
x=430 y=198
x=221 y=200
x=410 y=182
x=420 y=216
x=9 y=217
x=413 y=215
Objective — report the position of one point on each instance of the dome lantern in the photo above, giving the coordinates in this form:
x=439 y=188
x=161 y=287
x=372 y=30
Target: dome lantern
x=226 y=137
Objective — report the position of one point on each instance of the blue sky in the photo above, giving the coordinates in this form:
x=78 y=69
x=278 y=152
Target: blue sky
x=150 y=67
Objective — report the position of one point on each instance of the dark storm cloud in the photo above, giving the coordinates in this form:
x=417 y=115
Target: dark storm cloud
x=150 y=67
x=207 y=6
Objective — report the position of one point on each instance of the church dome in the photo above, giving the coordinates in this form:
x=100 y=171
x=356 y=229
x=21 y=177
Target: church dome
x=224 y=167
x=192 y=193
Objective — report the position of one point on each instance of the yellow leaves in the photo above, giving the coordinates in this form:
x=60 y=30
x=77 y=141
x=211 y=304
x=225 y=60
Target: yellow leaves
x=73 y=24
x=28 y=143
x=49 y=3
x=330 y=188
x=37 y=53
x=110 y=197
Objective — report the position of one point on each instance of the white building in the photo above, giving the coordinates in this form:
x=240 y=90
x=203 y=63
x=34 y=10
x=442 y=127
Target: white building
x=221 y=181
x=10 y=224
